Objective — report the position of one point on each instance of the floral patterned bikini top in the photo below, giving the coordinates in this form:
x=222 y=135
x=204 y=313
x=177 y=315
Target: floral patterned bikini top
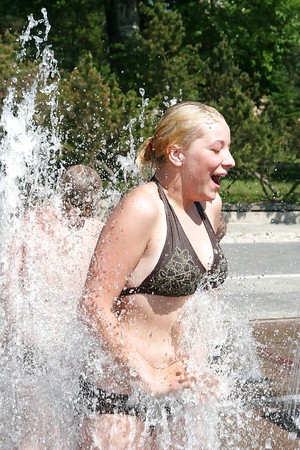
x=179 y=272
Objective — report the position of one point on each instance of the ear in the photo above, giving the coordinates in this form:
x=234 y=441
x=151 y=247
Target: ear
x=175 y=155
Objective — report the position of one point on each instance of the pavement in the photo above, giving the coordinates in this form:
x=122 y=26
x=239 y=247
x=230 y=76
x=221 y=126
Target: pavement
x=264 y=278
x=275 y=318
x=262 y=226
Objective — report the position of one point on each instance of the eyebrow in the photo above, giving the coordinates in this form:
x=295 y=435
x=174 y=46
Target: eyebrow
x=220 y=141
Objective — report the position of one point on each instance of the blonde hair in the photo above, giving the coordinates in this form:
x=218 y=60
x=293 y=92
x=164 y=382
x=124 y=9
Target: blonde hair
x=181 y=125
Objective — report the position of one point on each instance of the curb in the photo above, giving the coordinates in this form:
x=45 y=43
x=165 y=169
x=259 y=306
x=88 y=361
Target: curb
x=261 y=207
x=255 y=216
x=252 y=237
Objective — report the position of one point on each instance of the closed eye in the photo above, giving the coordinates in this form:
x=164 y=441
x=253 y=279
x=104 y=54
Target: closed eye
x=219 y=145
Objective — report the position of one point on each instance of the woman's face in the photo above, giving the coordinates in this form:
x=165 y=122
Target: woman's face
x=206 y=161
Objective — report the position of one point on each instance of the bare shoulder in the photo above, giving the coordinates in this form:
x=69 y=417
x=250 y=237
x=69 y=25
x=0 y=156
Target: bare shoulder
x=214 y=212
x=213 y=209
x=145 y=196
x=141 y=203
x=126 y=235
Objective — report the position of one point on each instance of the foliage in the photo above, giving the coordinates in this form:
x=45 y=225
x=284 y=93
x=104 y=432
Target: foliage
x=13 y=74
x=223 y=53
x=156 y=58
x=251 y=191
x=259 y=45
x=96 y=117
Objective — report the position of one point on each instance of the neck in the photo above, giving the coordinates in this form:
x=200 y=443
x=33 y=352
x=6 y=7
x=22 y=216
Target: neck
x=172 y=184
x=167 y=179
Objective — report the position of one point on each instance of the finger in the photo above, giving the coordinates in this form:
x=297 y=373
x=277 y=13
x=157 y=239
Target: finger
x=184 y=360
x=187 y=378
x=203 y=398
x=186 y=384
x=211 y=382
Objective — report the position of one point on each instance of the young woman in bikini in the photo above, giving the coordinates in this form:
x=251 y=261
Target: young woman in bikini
x=158 y=246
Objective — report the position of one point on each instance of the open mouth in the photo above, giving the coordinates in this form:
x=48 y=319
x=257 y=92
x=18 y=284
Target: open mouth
x=216 y=179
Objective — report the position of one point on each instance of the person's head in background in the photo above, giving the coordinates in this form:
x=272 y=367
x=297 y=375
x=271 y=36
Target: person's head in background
x=80 y=188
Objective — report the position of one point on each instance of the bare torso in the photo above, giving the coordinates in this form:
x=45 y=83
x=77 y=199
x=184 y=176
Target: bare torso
x=150 y=323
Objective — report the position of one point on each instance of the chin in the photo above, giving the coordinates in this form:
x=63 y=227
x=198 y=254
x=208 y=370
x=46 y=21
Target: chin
x=206 y=195
x=209 y=197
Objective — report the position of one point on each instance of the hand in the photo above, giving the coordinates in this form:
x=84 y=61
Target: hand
x=171 y=378
x=207 y=387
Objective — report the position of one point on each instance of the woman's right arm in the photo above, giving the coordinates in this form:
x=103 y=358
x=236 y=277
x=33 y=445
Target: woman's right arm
x=120 y=247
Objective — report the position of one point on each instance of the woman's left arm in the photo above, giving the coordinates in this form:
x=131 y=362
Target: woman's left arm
x=214 y=213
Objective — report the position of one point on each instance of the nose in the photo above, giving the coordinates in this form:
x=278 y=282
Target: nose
x=228 y=161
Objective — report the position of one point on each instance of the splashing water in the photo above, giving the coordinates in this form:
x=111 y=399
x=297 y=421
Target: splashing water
x=284 y=410
x=292 y=407
x=128 y=162
x=41 y=340
x=28 y=149
x=43 y=345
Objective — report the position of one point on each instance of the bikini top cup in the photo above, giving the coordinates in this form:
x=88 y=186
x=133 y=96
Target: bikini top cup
x=179 y=272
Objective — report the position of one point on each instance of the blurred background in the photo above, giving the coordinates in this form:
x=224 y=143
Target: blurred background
x=122 y=63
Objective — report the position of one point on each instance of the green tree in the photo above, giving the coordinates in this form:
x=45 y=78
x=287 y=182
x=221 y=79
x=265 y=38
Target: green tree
x=155 y=58
x=260 y=33
x=77 y=26
x=113 y=90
